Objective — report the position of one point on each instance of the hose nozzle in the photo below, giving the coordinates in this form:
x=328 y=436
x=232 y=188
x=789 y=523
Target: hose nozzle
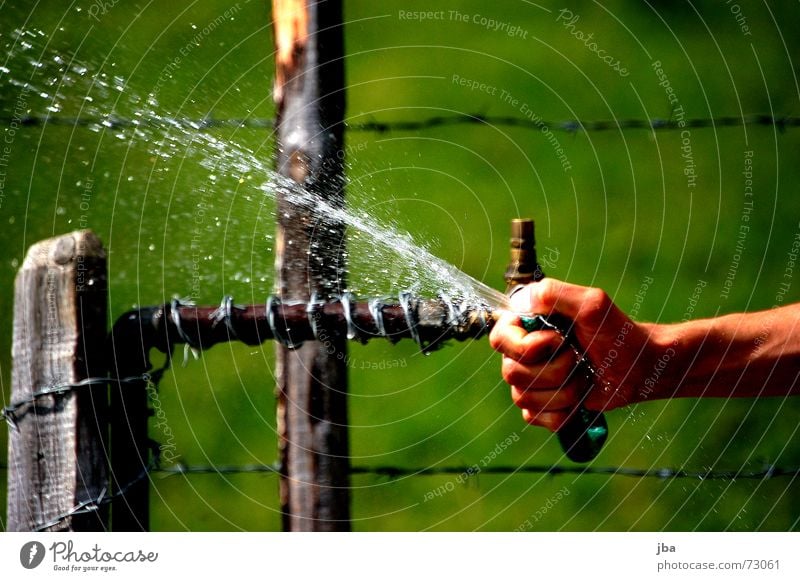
x=584 y=434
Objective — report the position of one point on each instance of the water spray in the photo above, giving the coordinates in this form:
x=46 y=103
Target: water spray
x=430 y=323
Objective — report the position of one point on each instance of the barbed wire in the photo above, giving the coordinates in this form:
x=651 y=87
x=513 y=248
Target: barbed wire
x=10 y=413
x=93 y=504
x=782 y=123
x=766 y=472
x=573 y=126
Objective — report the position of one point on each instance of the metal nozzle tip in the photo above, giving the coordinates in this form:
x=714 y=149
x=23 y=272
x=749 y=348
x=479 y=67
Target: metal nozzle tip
x=522 y=228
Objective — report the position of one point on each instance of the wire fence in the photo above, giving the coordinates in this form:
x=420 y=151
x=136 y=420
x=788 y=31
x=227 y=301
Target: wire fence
x=765 y=472
x=11 y=414
x=111 y=121
x=92 y=505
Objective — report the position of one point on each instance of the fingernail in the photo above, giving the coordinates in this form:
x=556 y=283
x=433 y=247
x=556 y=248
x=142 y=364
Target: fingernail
x=521 y=300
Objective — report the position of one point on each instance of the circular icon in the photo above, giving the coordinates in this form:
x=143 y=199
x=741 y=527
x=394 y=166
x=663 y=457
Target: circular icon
x=31 y=554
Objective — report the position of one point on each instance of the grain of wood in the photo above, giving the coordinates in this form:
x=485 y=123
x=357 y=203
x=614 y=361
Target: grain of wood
x=57 y=445
x=312 y=379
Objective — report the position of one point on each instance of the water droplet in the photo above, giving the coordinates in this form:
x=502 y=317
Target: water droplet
x=151 y=247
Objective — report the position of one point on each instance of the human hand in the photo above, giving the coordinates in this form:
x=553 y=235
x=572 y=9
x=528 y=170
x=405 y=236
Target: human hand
x=546 y=381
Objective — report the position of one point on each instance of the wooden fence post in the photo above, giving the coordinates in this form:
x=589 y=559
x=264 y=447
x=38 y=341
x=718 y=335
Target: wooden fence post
x=312 y=379
x=57 y=442
x=128 y=358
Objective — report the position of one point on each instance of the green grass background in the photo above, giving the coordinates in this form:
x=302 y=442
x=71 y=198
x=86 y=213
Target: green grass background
x=623 y=212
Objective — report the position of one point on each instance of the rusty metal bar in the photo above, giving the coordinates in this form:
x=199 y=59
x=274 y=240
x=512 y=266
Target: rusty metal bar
x=430 y=323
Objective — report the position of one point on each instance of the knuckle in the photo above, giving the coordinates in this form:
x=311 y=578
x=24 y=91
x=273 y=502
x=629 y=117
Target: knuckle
x=546 y=294
x=564 y=370
x=569 y=394
x=508 y=371
x=530 y=417
x=518 y=397
x=495 y=339
x=557 y=419
x=596 y=305
x=542 y=419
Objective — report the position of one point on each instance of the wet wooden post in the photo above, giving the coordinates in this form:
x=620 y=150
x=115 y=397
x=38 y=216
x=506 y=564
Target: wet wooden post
x=58 y=441
x=312 y=379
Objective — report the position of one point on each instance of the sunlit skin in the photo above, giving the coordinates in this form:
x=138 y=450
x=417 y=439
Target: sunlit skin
x=738 y=355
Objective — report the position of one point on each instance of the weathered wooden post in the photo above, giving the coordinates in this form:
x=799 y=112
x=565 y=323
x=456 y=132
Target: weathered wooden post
x=58 y=424
x=312 y=379
x=128 y=352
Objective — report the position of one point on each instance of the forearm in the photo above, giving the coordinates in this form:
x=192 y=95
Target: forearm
x=741 y=355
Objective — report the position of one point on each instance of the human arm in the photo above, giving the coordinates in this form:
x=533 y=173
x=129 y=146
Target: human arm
x=740 y=355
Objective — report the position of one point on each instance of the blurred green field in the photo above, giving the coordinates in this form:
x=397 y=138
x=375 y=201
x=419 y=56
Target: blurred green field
x=624 y=210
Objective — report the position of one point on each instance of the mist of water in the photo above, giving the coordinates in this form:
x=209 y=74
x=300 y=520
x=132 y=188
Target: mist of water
x=190 y=167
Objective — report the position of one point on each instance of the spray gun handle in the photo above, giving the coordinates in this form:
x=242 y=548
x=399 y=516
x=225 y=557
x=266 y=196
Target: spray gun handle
x=584 y=434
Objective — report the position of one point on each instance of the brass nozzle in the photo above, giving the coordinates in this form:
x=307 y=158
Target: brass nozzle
x=523 y=266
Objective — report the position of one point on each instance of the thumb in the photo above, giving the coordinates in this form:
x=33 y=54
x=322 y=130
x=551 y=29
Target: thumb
x=521 y=302
x=551 y=296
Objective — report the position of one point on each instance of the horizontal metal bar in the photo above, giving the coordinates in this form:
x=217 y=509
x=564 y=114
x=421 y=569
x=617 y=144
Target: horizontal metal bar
x=428 y=322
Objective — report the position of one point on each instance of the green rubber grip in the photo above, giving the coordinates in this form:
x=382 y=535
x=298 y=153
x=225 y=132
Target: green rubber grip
x=584 y=434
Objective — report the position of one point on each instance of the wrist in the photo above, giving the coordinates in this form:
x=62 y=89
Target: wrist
x=663 y=358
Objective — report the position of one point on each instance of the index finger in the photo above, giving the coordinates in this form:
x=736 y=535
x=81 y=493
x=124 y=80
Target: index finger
x=511 y=339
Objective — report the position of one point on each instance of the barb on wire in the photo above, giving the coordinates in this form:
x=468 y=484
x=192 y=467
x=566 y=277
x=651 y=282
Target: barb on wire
x=782 y=123
x=11 y=414
x=179 y=469
x=94 y=504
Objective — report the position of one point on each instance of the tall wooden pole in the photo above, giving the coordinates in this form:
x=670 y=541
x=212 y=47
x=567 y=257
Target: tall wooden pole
x=58 y=441
x=128 y=357
x=312 y=379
